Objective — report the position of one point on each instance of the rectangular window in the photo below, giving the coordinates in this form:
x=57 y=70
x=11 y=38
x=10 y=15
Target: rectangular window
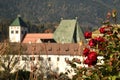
x=24 y=58
x=66 y=59
x=58 y=58
x=16 y=58
x=16 y=32
x=32 y=58
x=40 y=58
x=12 y=32
x=49 y=59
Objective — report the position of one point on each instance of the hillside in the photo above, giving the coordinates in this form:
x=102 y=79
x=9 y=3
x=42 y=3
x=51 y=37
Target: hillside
x=90 y=13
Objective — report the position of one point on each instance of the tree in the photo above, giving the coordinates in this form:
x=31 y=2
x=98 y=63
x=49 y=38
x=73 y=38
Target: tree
x=8 y=63
x=9 y=60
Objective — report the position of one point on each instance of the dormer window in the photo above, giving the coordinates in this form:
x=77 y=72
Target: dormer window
x=50 y=49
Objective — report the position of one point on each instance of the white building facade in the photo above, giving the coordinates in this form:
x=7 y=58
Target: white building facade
x=45 y=63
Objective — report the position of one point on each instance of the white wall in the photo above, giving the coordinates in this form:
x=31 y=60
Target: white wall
x=25 y=62
x=16 y=37
x=13 y=37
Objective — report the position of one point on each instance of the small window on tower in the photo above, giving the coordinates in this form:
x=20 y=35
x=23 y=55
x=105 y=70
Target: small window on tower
x=12 y=32
x=22 y=32
x=16 y=32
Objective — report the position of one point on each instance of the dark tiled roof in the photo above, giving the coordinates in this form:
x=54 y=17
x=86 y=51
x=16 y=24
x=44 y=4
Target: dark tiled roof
x=53 y=49
x=46 y=49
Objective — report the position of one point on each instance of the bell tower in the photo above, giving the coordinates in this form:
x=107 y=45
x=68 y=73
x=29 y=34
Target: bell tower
x=17 y=30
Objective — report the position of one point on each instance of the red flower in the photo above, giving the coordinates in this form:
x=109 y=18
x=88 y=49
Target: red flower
x=106 y=29
x=109 y=32
x=91 y=59
x=101 y=47
x=109 y=29
x=102 y=30
x=100 y=39
x=92 y=42
x=92 y=56
x=89 y=62
x=88 y=35
x=86 y=51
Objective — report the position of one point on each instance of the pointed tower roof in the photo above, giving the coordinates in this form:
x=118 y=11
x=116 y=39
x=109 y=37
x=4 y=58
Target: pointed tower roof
x=68 y=31
x=18 y=22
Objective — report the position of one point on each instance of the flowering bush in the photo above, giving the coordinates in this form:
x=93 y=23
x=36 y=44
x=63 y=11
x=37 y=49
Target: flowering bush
x=107 y=46
x=91 y=58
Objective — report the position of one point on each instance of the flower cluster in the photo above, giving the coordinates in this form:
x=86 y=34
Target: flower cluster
x=106 y=29
x=97 y=42
x=88 y=35
x=106 y=47
x=91 y=57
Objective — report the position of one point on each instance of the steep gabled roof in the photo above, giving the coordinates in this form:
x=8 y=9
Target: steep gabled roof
x=18 y=22
x=68 y=32
x=64 y=32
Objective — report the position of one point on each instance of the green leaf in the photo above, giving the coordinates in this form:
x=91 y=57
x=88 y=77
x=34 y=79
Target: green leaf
x=111 y=55
x=113 y=77
x=97 y=77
